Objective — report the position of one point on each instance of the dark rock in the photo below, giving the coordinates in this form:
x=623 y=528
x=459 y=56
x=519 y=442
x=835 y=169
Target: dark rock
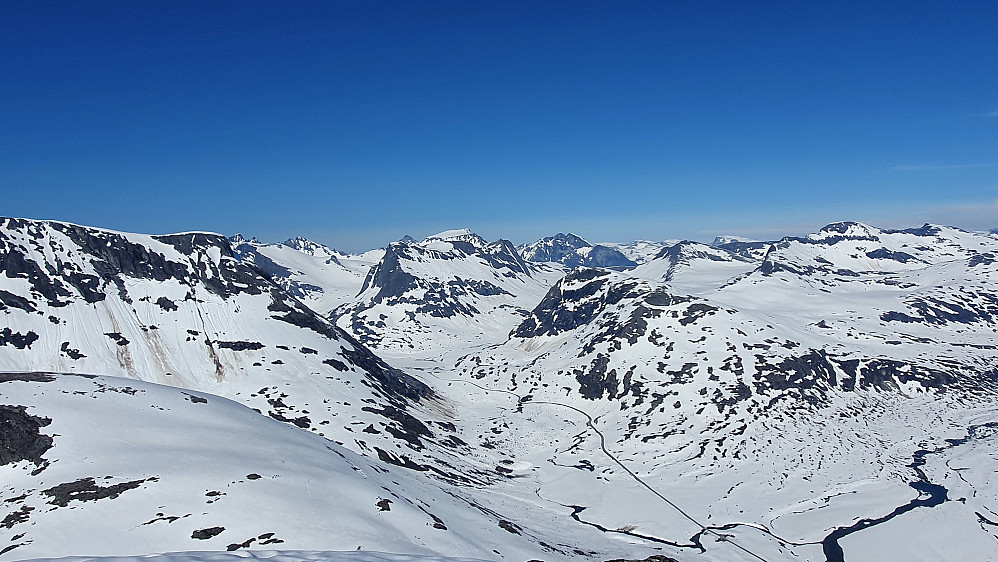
x=899 y=317
x=388 y=276
x=885 y=254
x=336 y=364
x=20 y=516
x=406 y=427
x=72 y=353
x=166 y=304
x=986 y=258
x=20 y=436
x=924 y=230
x=807 y=377
x=385 y=456
x=27 y=377
x=205 y=534
x=596 y=381
x=15 y=301
x=118 y=338
x=86 y=489
x=511 y=527
x=244 y=544
x=17 y=339
x=240 y=345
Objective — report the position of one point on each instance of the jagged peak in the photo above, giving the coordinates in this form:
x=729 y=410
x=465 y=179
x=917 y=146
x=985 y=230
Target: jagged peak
x=573 y=241
x=574 y=251
x=310 y=247
x=686 y=250
x=238 y=238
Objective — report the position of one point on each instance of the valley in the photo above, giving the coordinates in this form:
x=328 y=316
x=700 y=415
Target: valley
x=830 y=397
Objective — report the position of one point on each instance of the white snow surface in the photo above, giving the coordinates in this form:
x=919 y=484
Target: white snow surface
x=707 y=405
x=453 y=288
x=192 y=461
x=457 y=233
x=270 y=555
x=640 y=251
x=319 y=276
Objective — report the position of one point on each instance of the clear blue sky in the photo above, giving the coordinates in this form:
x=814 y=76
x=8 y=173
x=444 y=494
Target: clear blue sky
x=356 y=122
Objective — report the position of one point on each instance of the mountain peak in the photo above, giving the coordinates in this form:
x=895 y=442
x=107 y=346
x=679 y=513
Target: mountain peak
x=728 y=239
x=238 y=238
x=847 y=230
x=458 y=235
x=573 y=240
x=574 y=251
x=448 y=234
x=306 y=246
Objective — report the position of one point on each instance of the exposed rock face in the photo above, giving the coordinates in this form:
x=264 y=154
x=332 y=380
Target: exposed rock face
x=317 y=275
x=20 y=436
x=183 y=310
x=724 y=369
x=441 y=284
x=573 y=251
x=138 y=467
x=851 y=308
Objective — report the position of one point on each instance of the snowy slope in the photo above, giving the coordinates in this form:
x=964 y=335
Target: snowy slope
x=741 y=246
x=110 y=466
x=317 y=275
x=821 y=398
x=271 y=555
x=574 y=251
x=451 y=290
x=761 y=399
x=182 y=310
x=694 y=268
x=640 y=251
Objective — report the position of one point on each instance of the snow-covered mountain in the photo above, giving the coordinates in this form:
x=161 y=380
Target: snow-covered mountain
x=317 y=275
x=452 y=289
x=640 y=251
x=182 y=310
x=829 y=397
x=792 y=376
x=694 y=267
x=741 y=246
x=573 y=251
x=109 y=466
x=723 y=239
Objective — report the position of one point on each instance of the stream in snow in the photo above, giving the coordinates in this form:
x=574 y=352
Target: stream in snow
x=930 y=495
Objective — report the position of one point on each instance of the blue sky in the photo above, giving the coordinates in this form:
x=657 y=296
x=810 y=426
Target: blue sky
x=355 y=123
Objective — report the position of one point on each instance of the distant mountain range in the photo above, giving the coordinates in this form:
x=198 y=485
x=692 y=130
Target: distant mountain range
x=823 y=397
x=573 y=251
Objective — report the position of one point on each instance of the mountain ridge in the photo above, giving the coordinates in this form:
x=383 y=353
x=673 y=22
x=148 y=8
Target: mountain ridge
x=769 y=394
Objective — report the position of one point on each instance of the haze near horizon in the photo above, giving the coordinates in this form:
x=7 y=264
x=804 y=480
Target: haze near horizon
x=356 y=123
